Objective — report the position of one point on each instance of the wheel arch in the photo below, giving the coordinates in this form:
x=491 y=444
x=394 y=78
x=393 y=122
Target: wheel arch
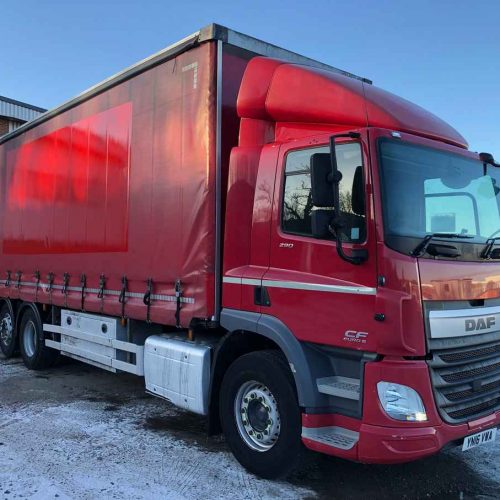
x=248 y=332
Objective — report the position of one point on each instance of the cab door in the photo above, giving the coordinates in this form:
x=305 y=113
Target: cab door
x=319 y=296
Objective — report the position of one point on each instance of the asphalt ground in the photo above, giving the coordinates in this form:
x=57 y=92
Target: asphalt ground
x=75 y=431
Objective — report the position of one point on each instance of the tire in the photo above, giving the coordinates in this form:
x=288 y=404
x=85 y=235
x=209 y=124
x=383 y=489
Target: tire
x=8 y=340
x=260 y=415
x=36 y=355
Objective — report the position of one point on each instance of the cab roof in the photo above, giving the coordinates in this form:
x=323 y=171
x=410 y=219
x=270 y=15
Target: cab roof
x=279 y=91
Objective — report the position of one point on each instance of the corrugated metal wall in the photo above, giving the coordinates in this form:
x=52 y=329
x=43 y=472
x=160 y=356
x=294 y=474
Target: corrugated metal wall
x=17 y=111
x=13 y=125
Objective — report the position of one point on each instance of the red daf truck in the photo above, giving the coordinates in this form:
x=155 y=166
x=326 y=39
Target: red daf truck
x=277 y=244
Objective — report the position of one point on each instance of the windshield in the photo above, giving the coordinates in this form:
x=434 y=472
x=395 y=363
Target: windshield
x=432 y=191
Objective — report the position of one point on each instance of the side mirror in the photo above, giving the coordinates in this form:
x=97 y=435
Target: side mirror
x=358 y=192
x=321 y=184
x=320 y=223
x=325 y=179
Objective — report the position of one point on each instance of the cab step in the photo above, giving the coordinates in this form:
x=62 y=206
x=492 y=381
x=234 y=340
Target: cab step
x=342 y=387
x=337 y=437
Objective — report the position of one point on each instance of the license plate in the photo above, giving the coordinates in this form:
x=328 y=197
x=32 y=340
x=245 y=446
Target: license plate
x=480 y=438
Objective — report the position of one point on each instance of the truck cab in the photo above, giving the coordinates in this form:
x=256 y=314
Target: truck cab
x=360 y=238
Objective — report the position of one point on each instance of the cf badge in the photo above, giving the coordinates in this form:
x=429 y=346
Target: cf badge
x=355 y=337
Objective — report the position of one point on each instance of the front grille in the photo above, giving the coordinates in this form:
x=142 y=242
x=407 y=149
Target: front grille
x=470 y=354
x=471 y=373
x=456 y=396
x=474 y=410
x=466 y=381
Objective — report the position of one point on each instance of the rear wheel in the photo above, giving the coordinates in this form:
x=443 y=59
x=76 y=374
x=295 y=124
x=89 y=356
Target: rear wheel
x=8 y=343
x=36 y=355
x=260 y=414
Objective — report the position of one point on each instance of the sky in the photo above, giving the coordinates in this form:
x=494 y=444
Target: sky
x=443 y=55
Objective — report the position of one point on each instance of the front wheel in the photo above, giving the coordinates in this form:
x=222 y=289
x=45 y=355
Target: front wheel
x=260 y=414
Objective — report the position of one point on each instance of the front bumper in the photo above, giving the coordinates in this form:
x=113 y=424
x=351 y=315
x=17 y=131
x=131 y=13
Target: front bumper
x=381 y=439
x=385 y=445
x=391 y=445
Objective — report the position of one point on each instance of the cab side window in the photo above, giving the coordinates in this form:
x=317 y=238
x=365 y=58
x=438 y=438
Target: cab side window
x=297 y=201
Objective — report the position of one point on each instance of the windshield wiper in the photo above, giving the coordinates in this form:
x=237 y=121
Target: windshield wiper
x=488 y=249
x=420 y=249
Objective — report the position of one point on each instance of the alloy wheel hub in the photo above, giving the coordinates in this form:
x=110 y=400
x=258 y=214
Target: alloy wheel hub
x=257 y=416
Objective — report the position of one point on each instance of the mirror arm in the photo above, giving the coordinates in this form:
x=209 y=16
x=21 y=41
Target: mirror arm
x=487 y=159
x=358 y=256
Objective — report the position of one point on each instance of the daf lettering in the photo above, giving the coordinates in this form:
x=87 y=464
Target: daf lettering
x=472 y=325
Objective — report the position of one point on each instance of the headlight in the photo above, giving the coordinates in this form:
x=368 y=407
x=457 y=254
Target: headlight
x=401 y=402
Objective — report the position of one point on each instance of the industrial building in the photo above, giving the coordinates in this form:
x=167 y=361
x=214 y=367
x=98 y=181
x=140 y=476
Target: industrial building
x=14 y=113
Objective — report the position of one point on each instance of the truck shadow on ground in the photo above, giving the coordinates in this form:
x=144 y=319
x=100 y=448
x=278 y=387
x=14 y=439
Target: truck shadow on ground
x=191 y=428
x=442 y=476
